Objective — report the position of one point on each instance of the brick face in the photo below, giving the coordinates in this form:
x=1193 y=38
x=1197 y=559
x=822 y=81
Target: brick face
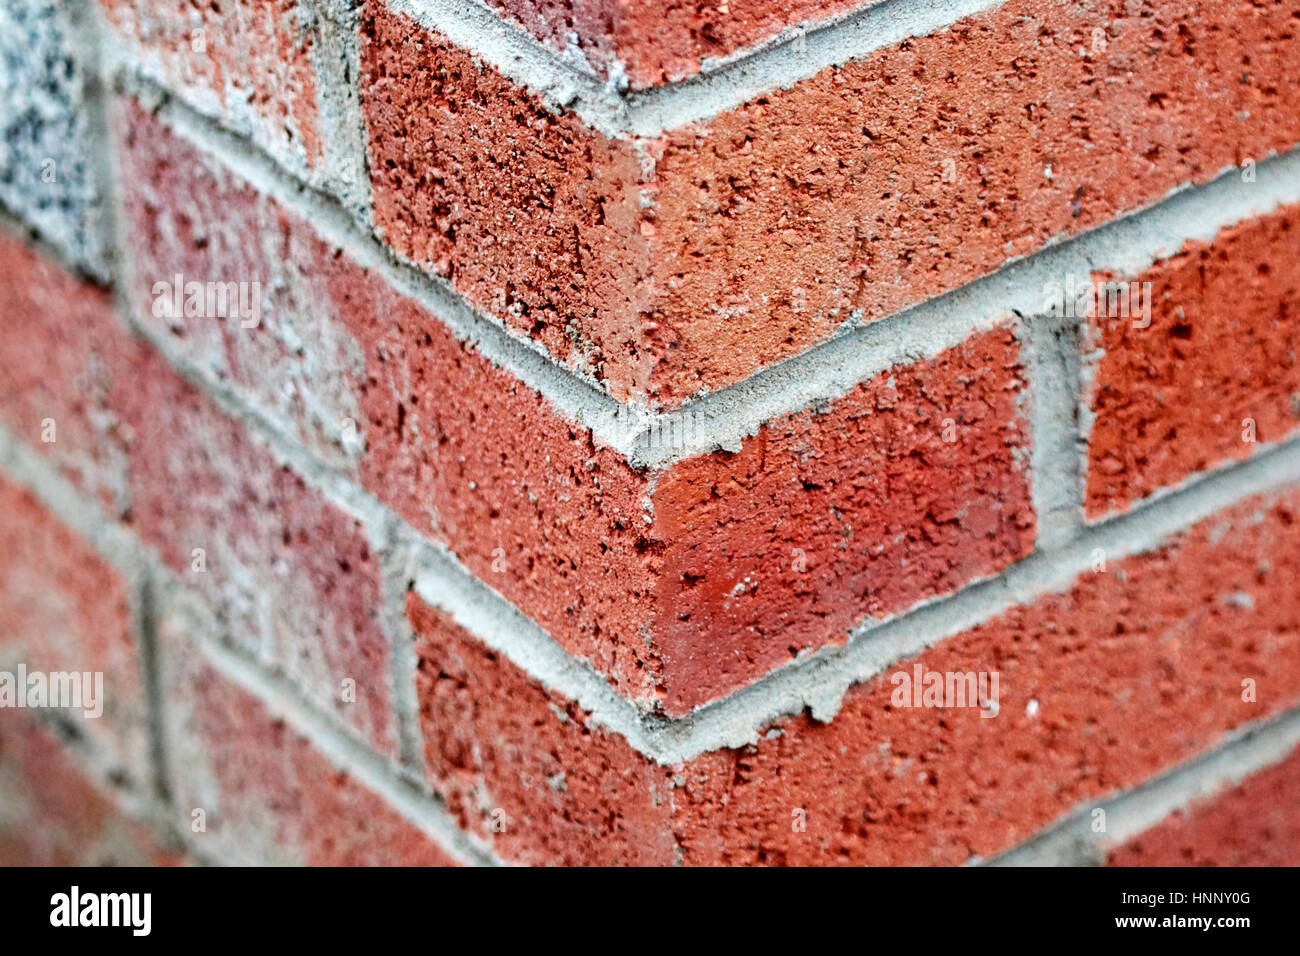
x=532 y=216
x=245 y=61
x=1253 y=824
x=908 y=487
x=1160 y=641
x=267 y=794
x=1216 y=366
x=751 y=236
x=55 y=374
x=539 y=780
x=66 y=609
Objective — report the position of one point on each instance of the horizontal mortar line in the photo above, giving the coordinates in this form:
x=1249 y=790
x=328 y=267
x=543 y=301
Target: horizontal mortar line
x=817 y=681
x=144 y=807
x=1071 y=840
x=826 y=371
x=822 y=373
x=820 y=680
x=121 y=548
x=797 y=53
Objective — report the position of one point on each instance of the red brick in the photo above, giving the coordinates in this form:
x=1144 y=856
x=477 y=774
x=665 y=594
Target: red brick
x=1256 y=823
x=549 y=207
x=676 y=582
x=52 y=814
x=1133 y=670
x=62 y=608
x=54 y=372
x=268 y=796
x=248 y=62
x=293 y=577
x=652 y=42
x=1173 y=399
x=460 y=448
x=764 y=228
x=540 y=780
x=866 y=494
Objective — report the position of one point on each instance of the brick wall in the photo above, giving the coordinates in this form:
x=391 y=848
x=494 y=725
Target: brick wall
x=629 y=433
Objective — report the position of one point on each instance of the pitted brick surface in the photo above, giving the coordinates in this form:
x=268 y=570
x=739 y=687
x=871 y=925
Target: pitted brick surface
x=1213 y=377
x=675 y=582
x=1252 y=824
x=650 y=42
x=671 y=266
x=1127 y=673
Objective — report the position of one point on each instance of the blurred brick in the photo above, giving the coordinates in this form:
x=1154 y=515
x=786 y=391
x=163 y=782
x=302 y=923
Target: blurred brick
x=49 y=151
x=1256 y=823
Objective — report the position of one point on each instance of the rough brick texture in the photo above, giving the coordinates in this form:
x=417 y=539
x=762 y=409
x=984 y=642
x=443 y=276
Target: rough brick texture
x=314 y=464
x=245 y=61
x=650 y=42
x=685 y=582
x=1160 y=641
x=670 y=266
x=1213 y=377
x=1256 y=823
x=48 y=147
